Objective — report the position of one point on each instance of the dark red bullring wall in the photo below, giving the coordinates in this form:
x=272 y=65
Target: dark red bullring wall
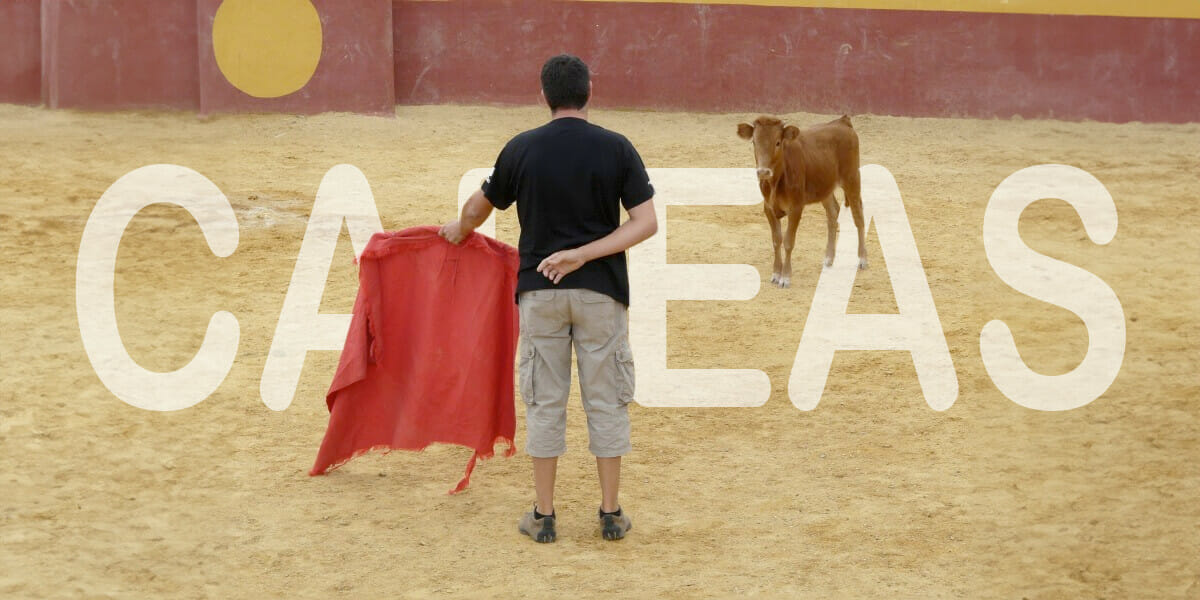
x=111 y=54
x=104 y=54
x=354 y=73
x=20 y=51
x=755 y=58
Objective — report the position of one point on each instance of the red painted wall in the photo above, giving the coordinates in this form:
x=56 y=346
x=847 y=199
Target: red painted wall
x=20 y=51
x=354 y=74
x=101 y=54
x=106 y=54
x=772 y=59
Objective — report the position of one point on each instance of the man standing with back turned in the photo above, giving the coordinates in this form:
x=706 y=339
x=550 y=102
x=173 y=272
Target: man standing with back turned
x=569 y=179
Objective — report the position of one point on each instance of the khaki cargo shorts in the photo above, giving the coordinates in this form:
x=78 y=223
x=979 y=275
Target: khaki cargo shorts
x=598 y=327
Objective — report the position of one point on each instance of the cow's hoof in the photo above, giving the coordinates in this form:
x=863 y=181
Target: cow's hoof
x=829 y=261
x=784 y=282
x=775 y=279
x=862 y=264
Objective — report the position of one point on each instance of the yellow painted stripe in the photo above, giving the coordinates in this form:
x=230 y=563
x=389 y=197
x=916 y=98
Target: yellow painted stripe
x=1175 y=9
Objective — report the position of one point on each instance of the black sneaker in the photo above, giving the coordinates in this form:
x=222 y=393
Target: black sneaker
x=541 y=530
x=614 y=525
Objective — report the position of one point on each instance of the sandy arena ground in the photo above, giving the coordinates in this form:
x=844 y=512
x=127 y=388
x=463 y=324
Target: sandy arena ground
x=873 y=494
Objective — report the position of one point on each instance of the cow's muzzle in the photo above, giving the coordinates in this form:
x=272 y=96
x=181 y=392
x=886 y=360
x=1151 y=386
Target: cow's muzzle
x=764 y=173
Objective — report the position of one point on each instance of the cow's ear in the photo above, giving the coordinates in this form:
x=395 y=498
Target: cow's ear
x=745 y=131
x=791 y=132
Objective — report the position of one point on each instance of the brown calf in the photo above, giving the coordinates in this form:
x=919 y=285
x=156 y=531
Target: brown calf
x=796 y=168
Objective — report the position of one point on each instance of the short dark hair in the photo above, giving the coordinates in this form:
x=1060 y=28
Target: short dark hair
x=565 y=82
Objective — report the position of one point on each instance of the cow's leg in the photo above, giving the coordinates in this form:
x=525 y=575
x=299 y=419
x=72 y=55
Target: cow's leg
x=776 y=240
x=851 y=187
x=789 y=241
x=831 y=220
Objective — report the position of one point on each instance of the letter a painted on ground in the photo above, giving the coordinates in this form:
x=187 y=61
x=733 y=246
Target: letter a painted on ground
x=916 y=328
x=344 y=194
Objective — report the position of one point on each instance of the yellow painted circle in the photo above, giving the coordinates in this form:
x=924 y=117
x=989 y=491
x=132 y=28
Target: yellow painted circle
x=267 y=48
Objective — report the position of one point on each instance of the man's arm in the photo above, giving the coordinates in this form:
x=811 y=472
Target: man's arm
x=474 y=213
x=642 y=224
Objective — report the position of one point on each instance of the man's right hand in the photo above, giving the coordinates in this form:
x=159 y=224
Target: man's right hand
x=474 y=213
x=454 y=232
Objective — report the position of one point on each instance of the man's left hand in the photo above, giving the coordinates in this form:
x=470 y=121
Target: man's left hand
x=453 y=232
x=560 y=264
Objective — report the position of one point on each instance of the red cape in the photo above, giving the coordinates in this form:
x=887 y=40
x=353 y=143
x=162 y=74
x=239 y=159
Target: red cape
x=429 y=354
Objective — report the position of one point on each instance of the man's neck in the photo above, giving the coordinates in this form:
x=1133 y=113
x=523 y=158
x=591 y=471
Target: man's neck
x=564 y=113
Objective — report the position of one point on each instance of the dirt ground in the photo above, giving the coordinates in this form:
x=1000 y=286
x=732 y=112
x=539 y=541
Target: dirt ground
x=873 y=494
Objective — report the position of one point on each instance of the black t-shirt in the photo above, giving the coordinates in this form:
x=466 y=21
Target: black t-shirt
x=569 y=179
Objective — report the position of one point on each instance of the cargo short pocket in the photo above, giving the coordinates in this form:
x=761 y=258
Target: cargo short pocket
x=625 y=379
x=525 y=371
x=596 y=319
x=593 y=297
